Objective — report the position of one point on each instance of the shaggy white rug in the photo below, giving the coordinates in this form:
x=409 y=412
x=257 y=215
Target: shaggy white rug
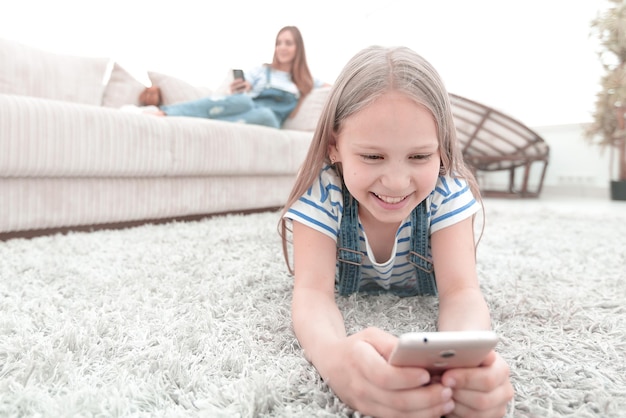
x=193 y=319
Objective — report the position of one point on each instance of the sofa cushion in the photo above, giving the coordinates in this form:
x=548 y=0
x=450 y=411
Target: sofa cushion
x=121 y=89
x=175 y=90
x=28 y=71
x=50 y=138
x=309 y=112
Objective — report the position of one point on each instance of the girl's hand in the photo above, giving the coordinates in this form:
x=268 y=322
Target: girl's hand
x=357 y=370
x=480 y=392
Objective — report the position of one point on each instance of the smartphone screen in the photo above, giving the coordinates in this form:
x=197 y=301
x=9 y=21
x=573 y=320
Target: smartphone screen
x=238 y=74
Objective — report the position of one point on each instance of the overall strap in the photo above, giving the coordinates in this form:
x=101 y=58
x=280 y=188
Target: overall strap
x=418 y=256
x=349 y=257
x=268 y=76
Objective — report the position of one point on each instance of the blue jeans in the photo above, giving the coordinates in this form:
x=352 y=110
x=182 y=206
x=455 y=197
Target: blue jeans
x=233 y=108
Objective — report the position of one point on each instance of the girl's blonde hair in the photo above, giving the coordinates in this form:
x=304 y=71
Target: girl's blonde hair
x=371 y=73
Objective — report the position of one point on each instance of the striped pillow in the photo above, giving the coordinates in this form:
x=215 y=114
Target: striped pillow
x=175 y=90
x=309 y=112
x=32 y=72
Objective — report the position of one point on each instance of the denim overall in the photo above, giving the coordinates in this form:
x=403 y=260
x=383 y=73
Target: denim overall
x=349 y=256
x=281 y=102
x=270 y=108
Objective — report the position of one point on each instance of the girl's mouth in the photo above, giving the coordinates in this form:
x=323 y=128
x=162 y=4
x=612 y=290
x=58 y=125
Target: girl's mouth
x=390 y=199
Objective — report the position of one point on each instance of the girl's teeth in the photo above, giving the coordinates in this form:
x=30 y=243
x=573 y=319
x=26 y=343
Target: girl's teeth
x=391 y=200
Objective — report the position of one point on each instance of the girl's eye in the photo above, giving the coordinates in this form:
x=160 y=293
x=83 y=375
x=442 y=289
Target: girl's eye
x=371 y=157
x=421 y=157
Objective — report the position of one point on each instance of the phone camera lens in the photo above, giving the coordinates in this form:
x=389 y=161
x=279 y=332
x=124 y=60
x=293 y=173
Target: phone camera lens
x=425 y=339
x=447 y=354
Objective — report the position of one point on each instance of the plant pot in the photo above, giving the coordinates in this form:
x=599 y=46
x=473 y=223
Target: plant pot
x=618 y=190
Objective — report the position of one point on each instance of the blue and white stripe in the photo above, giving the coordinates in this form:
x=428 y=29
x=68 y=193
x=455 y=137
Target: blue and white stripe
x=321 y=208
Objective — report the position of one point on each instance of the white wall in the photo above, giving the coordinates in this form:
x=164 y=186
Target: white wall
x=534 y=59
x=576 y=168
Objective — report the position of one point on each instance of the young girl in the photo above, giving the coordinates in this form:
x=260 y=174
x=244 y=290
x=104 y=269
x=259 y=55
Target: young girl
x=384 y=203
x=267 y=95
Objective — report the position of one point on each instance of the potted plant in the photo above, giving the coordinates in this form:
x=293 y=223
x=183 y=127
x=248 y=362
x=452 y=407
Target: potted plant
x=607 y=128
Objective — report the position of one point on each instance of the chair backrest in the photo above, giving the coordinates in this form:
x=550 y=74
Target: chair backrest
x=492 y=140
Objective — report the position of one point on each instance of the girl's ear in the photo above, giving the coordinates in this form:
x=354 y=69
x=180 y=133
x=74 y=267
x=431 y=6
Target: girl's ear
x=332 y=148
x=332 y=153
x=332 y=140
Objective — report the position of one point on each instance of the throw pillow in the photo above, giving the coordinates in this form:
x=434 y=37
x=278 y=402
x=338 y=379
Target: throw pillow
x=309 y=112
x=175 y=90
x=121 y=89
x=30 y=71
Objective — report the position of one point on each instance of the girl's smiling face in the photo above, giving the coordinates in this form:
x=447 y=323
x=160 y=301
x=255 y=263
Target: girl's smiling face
x=389 y=155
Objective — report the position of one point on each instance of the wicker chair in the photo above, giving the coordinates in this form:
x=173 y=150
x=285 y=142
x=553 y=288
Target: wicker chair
x=492 y=141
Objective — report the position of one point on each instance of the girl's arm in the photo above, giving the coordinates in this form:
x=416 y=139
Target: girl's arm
x=461 y=302
x=354 y=366
x=485 y=390
x=316 y=318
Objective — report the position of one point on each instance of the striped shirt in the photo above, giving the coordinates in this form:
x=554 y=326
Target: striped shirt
x=321 y=208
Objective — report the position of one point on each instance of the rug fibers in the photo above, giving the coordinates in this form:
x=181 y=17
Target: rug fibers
x=193 y=319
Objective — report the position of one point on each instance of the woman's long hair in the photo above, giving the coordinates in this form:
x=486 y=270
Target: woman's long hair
x=300 y=73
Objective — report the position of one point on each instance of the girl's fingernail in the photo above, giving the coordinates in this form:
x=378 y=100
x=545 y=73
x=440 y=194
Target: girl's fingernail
x=448 y=407
x=446 y=394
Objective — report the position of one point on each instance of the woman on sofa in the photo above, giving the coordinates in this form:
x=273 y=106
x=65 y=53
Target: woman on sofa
x=266 y=95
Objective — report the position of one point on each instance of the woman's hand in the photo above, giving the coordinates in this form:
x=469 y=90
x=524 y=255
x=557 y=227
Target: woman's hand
x=239 y=86
x=357 y=370
x=480 y=392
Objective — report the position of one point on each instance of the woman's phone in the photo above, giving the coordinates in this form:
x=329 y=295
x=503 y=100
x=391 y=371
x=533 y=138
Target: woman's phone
x=238 y=74
x=438 y=351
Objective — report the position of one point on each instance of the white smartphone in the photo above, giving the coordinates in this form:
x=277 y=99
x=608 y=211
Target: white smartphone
x=438 y=351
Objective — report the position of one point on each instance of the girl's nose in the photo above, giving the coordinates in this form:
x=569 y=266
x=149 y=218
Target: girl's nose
x=396 y=177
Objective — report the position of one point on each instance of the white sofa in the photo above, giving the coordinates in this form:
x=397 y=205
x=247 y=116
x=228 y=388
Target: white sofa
x=69 y=157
